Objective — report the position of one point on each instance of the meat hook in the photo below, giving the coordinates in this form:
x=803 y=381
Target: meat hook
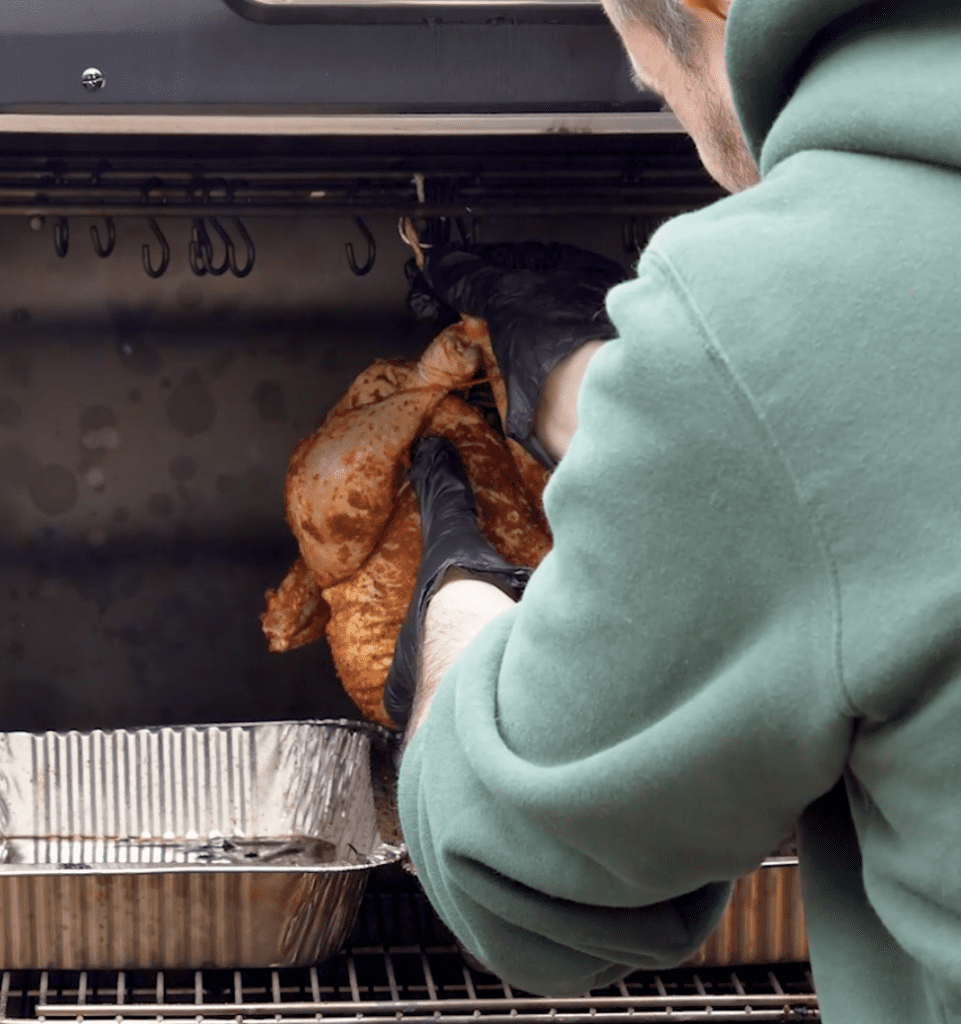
x=371 y=250
x=408 y=235
x=229 y=255
x=61 y=236
x=632 y=237
x=200 y=251
x=468 y=235
x=248 y=244
x=103 y=251
x=164 y=249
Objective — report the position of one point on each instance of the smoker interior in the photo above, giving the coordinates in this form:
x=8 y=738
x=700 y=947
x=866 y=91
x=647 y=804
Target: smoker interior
x=146 y=423
x=145 y=426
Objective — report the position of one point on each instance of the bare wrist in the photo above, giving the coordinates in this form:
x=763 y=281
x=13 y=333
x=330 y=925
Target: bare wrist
x=457 y=612
x=555 y=419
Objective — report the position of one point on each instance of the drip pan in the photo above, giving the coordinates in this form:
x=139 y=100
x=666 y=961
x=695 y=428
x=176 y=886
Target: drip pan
x=210 y=846
x=763 y=923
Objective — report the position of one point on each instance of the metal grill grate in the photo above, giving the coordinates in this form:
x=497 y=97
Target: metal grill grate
x=401 y=964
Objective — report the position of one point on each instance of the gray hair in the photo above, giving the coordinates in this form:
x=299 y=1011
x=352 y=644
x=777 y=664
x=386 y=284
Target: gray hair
x=671 y=19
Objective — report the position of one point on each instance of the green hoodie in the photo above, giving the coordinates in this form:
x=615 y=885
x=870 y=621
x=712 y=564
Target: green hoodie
x=752 y=611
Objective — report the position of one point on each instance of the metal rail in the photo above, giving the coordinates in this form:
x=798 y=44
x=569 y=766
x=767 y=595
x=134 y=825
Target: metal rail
x=425 y=1007
x=341 y=125
x=448 y=185
x=518 y=197
x=581 y=209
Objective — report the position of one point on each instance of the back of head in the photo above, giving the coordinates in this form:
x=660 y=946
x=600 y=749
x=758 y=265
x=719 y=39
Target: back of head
x=673 y=21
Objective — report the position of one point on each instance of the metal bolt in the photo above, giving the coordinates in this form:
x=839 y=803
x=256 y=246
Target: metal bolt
x=93 y=79
x=36 y=223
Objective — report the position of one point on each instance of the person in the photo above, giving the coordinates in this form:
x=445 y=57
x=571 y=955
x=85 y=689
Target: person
x=751 y=615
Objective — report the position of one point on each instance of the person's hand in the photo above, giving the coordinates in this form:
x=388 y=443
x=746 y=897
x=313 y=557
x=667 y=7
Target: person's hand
x=541 y=302
x=450 y=540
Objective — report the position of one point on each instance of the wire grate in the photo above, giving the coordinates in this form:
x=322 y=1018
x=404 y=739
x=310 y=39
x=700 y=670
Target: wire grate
x=292 y=996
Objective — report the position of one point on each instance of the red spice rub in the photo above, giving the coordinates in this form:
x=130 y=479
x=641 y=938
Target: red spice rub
x=356 y=519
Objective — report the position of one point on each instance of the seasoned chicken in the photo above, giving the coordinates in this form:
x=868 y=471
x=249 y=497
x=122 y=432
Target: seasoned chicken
x=355 y=516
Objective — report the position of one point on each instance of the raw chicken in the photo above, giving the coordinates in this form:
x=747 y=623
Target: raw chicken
x=355 y=516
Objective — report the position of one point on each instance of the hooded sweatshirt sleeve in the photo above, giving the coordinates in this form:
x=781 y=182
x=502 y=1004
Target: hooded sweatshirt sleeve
x=647 y=723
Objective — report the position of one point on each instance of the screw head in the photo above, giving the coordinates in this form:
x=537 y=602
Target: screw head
x=93 y=79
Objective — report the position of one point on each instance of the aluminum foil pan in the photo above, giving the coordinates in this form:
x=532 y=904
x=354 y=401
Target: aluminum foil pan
x=764 y=922
x=209 y=846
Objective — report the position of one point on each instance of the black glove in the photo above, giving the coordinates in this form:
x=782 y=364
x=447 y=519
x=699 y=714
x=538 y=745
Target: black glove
x=450 y=538
x=541 y=302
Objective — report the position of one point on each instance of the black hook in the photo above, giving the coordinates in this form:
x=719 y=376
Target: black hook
x=61 y=236
x=636 y=235
x=200 y=250
x=251 y=251
x=371 y=250
x=164 y=248
x=103 y=251
x=229 y=258
x=468 y=235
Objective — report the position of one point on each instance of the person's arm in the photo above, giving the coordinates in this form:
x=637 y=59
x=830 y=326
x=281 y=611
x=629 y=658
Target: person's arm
x=648 y=721
x=463 y=605
x=555 y=419
x=459 y=610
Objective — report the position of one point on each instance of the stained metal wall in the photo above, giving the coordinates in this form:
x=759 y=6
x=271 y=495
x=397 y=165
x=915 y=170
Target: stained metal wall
x=145 y=427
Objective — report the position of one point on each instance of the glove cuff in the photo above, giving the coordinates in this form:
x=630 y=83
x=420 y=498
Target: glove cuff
x=451 y=539
x=511 y=579
x=524 y=389
x=488 y=567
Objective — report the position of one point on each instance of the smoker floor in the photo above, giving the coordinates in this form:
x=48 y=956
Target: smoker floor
x=402 y=964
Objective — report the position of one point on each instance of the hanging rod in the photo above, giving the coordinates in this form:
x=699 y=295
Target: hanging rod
x=345 y=209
